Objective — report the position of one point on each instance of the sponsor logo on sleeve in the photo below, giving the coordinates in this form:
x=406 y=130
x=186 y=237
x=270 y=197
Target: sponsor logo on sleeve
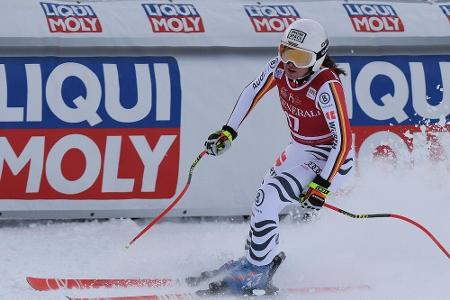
x=374 y=18
x=273 y=62
x=89 y=127
x=311 y=94
x=258 y=81
x=71 y=18
x=174 y=18
x=271 y=18
x=446 y=10
x=332 y=126
x=324 y=98
x=278 y=73
x=313 y=166
x=330 y=115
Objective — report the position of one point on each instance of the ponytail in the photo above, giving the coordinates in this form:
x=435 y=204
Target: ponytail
x=331 y=64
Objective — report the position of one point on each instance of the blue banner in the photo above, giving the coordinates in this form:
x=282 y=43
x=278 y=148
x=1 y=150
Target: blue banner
x=85 y=92
x=397 y=90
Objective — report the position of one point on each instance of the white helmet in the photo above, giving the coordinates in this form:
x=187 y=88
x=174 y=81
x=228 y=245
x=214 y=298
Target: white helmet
x=310 y=38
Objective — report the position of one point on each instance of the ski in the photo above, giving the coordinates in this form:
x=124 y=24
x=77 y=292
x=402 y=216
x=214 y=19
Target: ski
x=186 y=296
x=282 y=292
x=47 y=284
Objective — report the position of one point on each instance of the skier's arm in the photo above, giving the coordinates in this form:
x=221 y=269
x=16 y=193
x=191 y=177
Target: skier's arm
x=331 y=101
x=251 y=94
x=220 y=141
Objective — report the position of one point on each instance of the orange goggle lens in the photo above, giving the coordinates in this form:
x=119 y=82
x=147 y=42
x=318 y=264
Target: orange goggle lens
x=300 y=58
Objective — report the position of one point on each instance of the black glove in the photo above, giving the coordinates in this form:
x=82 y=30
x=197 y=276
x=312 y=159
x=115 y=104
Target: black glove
x=315 y=196
x=220 y=141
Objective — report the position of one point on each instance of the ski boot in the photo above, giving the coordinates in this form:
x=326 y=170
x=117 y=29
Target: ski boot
x=196 y=280
x=246 y=279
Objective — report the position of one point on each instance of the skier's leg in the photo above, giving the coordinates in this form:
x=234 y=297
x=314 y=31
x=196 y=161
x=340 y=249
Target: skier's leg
x=273 y=195
x=282 y=186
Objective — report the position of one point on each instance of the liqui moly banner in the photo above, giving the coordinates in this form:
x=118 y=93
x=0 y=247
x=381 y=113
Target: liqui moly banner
x=446 y=10
x=374 y=18
x=271 y=18
x=393 y=99
x=215 y=23
x=89 y=128
x=174 y=18
x=71 y=18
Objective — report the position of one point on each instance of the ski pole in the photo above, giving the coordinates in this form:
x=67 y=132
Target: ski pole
x=388 y=215
x=165 y=211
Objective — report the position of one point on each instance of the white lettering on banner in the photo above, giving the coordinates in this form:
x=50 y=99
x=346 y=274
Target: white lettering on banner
x=34 y=88
x=112 y=93
x=111 y=180
x=271 y=18
x=378 y=24
x=273 y=24
x=7 y=114
x=371 y=10
x=86 y=107
x=73 y=24
x=270 y=11
x=59 y=10
x=53 y=169
x=32 y=154
x=188 y=24
x=151 y=158
x=163 y=92
x=419 y=95
x=393 y=104
x=171 y=10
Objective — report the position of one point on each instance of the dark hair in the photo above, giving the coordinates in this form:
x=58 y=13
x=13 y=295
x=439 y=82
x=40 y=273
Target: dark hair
x=331 y=64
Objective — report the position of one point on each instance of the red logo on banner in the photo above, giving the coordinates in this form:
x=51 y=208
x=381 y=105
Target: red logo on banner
x=176 y=18
x=71 y=18
x=271 y=18
x=89 y=134
x=90 y=164
x=374 y=18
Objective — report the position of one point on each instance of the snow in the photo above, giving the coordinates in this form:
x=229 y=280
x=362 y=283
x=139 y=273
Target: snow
x=396 y=259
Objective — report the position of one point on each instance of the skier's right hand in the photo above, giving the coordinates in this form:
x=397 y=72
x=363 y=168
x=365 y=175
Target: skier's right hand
x=220 y=141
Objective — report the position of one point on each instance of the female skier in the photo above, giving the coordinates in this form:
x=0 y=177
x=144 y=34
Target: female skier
x=313 y=164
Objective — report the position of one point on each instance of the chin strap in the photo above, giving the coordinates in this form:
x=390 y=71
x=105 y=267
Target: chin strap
x=303 y=79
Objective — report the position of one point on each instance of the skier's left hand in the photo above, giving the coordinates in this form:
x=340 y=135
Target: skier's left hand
x=220 y=141
x=315 y=196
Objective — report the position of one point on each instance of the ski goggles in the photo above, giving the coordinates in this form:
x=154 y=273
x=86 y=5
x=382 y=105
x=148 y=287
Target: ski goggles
x=300 y=58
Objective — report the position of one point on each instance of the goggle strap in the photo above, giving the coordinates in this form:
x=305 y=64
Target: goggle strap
x=323 y=51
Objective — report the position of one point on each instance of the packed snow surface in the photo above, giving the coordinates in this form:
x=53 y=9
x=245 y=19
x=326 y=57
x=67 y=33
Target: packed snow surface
x=396 y=259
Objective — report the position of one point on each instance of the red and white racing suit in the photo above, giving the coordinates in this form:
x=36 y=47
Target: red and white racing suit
x=317 y=117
